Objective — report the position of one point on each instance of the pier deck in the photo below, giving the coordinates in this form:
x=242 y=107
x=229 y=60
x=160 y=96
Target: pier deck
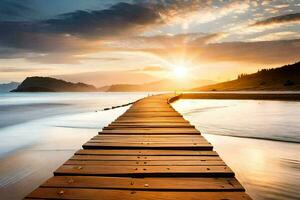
x=149 y=152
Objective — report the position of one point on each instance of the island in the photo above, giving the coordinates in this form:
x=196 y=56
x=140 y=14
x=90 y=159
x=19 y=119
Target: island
x=48 y=84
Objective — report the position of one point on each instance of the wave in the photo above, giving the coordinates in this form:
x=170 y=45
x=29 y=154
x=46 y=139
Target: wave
x=208 y=108
x=15 y=114
x=79 y=127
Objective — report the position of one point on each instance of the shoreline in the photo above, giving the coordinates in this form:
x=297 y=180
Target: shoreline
x=254 y=138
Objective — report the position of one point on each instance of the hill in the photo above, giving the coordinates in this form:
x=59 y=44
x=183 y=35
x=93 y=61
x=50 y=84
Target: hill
x=6 y=87
x=282 y=78
x=48 y=84
x=163 y=85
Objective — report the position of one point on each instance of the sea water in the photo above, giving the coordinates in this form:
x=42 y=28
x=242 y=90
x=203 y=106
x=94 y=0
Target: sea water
x=40 y=131
x=259 y=140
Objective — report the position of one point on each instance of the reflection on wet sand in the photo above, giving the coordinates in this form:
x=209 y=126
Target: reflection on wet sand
x=267 y=169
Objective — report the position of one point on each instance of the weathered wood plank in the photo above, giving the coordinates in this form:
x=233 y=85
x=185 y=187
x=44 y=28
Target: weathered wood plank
x=152 y=119
x=153 y=131
x=105 y=194
x=143 y=157
x=149 y=123
x=145 y=136
x=152 y=140
x=146 y=141
x=146 y=152
x=146 y=171
x=134 y=126
x=147 y=145
x=146 y=163
x=177 y=184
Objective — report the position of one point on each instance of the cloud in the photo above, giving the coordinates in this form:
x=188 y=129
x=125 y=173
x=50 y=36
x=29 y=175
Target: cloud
x=118 y=20
x=260 y=52
x=102 y=78
x=81 y=31
x=164 y=41
x=20 y=69
x=148 y=69
x=289 y=18
x=285 y=35
x=267 y=52
x=122 y=27
x=153 y=68
x=14 y=9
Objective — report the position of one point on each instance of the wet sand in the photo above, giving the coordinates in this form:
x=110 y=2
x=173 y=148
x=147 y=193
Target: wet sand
x=26 y=169
x=267 y=169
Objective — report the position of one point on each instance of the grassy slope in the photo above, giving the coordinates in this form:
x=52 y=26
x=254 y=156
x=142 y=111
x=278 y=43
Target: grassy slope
x=283 y=78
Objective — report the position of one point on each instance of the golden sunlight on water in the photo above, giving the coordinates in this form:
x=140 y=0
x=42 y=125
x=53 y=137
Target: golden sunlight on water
x=267 y=169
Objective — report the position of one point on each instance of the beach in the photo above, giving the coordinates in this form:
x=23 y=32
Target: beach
x=258 y=139
x=43 y=130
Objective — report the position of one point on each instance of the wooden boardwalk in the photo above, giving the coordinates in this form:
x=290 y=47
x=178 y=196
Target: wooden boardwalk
x=149 y=152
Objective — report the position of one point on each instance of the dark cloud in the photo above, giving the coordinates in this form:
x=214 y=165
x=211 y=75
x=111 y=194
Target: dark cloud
x=119 y=19
x=279 y=19
x=15 y=9
x=69 y=32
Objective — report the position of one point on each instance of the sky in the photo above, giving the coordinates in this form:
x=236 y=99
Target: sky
x=105 y=42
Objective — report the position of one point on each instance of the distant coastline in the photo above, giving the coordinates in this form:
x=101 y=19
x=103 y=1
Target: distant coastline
x=277 y=79
x=285 y=78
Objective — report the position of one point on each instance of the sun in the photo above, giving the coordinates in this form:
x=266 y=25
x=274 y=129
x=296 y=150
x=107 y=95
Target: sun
x=180 y=72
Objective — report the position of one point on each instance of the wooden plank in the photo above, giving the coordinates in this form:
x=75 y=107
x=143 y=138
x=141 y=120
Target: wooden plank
x=131 y=123
x=139 y=140
x=146 y=111
x=108 y=194
x=156 y=118
x=146 y=171
x=131 y=109
x=146 y=152
x=147 y=115
x=142 y=136
x=128 y=123
x=148 y=131
x=143 y=158
x=151 y=143
x=177 y=184
x=150 y=106
x=134 y=126
x=146 y=141
x=198 y=146
x=165 y=129
x=151 y=119
x=146 y=163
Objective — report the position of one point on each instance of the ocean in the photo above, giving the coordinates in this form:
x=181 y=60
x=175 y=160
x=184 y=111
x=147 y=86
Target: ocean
x=40 y=131
x=259 y=140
